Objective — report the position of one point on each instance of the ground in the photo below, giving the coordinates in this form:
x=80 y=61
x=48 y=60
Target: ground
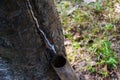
x=92 y=40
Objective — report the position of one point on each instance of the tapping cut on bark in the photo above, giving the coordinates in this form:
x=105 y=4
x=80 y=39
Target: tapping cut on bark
x=47 y=42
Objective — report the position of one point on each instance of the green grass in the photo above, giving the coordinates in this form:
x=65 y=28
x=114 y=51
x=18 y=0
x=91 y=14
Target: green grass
x=76 y=45
x=106 y=56
x=97 y=6
x=96 y=22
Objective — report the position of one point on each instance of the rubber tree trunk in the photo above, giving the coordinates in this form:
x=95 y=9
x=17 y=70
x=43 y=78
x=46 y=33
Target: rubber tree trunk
x=23 y=54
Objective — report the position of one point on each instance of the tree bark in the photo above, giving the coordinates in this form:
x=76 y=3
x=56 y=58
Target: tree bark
x=23 y=54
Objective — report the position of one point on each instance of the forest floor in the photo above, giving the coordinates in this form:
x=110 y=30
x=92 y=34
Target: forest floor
x=92 y=37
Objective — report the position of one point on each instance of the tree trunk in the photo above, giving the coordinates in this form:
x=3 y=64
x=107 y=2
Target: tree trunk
x=23 y=53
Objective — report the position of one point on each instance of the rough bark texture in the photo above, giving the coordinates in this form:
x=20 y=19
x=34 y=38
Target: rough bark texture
x=22 y=50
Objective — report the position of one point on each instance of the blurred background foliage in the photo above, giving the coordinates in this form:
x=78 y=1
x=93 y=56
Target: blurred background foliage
x=92 y=34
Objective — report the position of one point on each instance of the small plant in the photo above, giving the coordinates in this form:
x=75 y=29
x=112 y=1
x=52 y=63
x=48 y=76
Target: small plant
x=109 y=27
x=98 y=6
x=78 y=1
x=76 y=45
x=104 y=73
x=69 y=36
x=106 y=57
x=92 y=69
x=110 y=56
